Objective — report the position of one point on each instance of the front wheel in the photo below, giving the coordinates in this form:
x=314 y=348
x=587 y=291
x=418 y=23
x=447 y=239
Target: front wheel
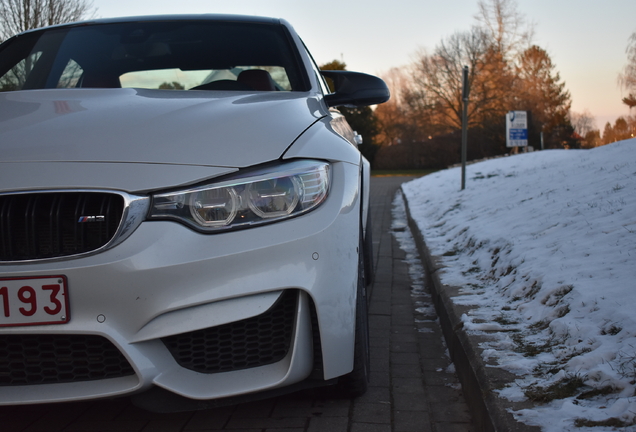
x=369 y=272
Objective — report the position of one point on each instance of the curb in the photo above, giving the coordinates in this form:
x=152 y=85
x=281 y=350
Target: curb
x=479 y=380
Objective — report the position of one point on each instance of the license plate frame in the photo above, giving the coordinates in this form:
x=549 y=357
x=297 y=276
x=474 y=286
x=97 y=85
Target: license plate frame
x=36 y=300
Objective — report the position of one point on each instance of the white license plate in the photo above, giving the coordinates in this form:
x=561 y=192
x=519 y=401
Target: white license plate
x=33 y=301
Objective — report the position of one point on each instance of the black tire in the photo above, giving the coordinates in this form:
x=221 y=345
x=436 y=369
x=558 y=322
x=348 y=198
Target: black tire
x=369 y=270
x=356 y=382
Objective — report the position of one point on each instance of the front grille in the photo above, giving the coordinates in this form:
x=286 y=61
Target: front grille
x=49 y=359
x=256 y=341
x=48 y=225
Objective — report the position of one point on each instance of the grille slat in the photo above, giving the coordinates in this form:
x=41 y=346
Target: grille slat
x=31 y=224
x=54 y=212
x=46 y=225
x=5 y=241
x=49 y=359
x=78 y=232
x=253 y=342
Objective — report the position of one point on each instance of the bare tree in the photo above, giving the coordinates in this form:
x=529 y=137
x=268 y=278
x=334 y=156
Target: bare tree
x=627 y=78
x=490 y=50
x=582 y=122
x=437 y=78
x=506 y=28
x=19 y=15
x=585 y=125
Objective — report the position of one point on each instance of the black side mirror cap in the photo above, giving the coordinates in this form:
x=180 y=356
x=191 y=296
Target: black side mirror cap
x=356 y=89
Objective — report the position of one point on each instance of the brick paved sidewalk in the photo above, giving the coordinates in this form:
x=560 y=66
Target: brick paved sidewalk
x=411 y=389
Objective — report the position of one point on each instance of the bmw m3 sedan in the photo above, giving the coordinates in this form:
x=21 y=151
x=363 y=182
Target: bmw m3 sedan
x=183 y=214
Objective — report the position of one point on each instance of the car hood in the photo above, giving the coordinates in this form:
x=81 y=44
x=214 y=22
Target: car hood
x=221 y=129
x=134 y=139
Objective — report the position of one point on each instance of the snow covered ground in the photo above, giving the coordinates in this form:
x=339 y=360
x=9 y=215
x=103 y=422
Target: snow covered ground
x=544 y=246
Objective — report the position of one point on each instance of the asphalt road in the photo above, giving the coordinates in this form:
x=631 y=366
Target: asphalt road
x=412 y=387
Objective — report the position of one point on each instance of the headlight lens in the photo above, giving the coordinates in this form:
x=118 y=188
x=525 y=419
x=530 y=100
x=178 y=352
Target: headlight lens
x=214 y=207
x=275 y=197
x=266 y=195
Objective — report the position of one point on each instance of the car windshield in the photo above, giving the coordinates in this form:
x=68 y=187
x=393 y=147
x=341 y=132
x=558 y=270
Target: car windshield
x=153 y=55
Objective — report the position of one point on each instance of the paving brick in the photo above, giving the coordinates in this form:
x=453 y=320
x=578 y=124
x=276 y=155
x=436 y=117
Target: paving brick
x=378 y=342
x=407 y=371
x=380 y=309
x=433 y=378
x=380 y=353
x=409 y=402
x=381 y=379
x=367 y=427
x=407 y=385
x=379 y=363
x=449 y=412
x=404 y=334
x=335 y=407
x=405 y=358
x=379 y=322
x=376 y=395
x=453 y=427
x=403 y=347
x=412 y=421
x=372 y=412
x=434 y=364
x=322 y=424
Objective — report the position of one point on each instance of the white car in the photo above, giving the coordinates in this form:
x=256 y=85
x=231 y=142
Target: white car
x=183 y=214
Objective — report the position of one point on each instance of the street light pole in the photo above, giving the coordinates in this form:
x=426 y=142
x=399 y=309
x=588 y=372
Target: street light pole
x=464 y=123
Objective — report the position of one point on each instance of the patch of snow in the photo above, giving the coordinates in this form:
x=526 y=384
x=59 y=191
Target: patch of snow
x=543 y=245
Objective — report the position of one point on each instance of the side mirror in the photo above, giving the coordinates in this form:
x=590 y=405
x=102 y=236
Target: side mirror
x=356 y=89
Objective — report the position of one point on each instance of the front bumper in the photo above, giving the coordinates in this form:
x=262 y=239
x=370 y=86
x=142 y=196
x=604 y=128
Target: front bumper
x=166 y=280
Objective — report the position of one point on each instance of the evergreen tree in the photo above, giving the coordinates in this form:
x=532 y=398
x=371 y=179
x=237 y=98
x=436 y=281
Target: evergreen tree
x=608 y=134
x=540 y=91
x=624 y=128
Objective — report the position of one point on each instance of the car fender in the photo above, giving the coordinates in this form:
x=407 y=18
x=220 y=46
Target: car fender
x=324 y=140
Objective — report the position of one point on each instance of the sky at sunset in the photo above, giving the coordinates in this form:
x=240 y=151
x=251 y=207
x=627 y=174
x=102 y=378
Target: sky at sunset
x=586 y=39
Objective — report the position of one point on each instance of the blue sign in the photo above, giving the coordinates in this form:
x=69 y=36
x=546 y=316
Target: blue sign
x=518 y=134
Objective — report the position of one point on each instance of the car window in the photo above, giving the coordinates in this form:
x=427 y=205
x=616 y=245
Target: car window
x=186 y=55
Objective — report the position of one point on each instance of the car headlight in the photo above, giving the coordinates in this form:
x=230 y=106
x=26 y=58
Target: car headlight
x=268 y=194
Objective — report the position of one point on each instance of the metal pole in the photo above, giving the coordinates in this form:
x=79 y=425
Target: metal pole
x=464 y=123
